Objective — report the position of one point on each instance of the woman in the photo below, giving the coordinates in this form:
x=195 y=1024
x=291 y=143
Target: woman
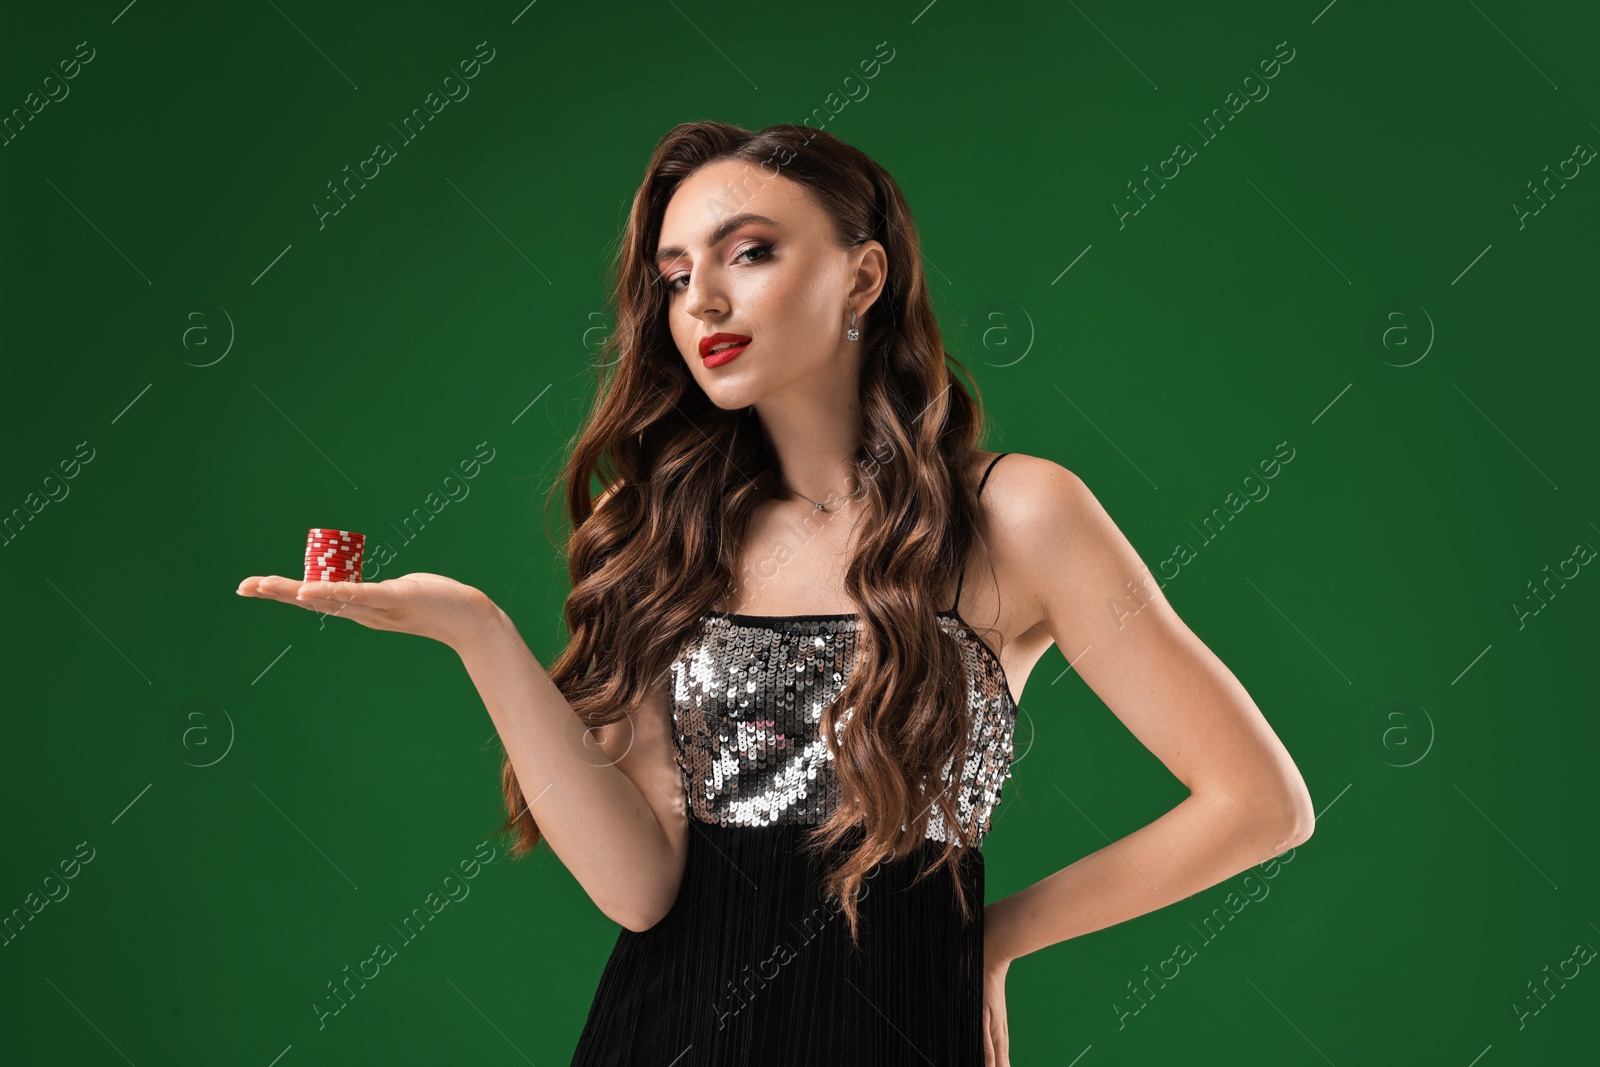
x=768 y=732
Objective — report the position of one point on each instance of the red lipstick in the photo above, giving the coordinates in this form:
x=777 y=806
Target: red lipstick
x=735 y=343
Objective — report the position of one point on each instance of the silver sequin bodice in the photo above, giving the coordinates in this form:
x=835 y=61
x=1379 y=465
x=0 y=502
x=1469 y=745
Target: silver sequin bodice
x=748 y=694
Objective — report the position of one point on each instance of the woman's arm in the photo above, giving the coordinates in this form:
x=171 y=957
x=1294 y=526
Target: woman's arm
x=1108 y=616
x=610 y=802
x=611 y=806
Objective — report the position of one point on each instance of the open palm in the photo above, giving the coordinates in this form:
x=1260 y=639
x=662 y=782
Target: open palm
x=428 y=605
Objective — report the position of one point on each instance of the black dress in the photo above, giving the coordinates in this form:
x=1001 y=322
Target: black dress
x=753 y=965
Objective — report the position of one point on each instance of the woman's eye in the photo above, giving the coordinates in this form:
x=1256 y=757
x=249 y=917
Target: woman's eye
x=764 y=250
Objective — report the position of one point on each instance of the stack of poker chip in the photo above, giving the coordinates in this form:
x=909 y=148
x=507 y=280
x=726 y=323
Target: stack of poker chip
x=333 y=555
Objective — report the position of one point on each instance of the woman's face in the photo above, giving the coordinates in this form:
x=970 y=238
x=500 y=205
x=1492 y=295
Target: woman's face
x=749 y=255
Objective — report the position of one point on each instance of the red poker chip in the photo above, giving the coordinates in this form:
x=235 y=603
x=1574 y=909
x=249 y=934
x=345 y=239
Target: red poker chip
x=333 y=555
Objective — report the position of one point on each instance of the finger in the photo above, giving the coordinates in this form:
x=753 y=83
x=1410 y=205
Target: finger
x=347 y=592
x=272 y=587
x=375 y=595
x=251 y=586
x=287 y=590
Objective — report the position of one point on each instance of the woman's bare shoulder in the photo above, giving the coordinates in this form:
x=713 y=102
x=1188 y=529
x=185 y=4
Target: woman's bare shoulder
x=1032 y=508
x=1016 y=478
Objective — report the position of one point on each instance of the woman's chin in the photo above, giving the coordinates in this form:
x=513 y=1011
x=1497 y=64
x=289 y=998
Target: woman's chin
x=732 y=399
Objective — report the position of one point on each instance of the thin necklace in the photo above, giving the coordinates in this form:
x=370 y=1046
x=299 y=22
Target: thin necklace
x=797 y=492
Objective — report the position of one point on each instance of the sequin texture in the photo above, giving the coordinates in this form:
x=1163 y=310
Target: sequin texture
x=748 y=695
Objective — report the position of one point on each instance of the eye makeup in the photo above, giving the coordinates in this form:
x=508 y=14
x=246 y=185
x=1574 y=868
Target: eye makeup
x=764 y=248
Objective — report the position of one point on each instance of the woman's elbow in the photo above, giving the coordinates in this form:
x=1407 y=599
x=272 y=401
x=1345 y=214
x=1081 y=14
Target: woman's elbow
x=1273 y=819
x=641 y=915
x=1293 y=817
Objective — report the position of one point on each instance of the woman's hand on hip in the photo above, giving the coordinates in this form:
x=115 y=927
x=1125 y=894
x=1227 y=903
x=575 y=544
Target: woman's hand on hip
x=996 y=1039
x=428 y=605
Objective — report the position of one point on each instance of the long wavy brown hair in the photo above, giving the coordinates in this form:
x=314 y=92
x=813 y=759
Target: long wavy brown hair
x=681 y=477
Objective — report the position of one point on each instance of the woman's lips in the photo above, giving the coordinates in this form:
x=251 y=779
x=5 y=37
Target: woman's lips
x=723 y=355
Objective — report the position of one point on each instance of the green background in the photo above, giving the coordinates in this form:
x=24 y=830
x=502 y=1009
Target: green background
x=1342 y=268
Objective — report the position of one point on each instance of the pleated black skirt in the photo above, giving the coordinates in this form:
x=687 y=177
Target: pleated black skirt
x=754 y=965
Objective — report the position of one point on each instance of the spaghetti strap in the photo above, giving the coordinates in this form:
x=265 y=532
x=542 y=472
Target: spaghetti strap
x=963 y=576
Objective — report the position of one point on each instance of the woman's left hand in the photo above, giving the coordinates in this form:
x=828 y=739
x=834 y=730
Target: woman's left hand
x=996 y=1039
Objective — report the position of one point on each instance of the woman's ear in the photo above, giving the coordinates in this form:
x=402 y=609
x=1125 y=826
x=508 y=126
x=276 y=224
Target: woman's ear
x=871 y=272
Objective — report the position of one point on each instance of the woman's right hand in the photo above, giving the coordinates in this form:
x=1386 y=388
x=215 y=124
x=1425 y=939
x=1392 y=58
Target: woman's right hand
x=428 y=605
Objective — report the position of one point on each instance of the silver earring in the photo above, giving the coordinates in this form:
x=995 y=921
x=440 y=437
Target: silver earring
x=852 y=334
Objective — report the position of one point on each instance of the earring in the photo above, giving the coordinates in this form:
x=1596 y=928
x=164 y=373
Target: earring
x=852 y=334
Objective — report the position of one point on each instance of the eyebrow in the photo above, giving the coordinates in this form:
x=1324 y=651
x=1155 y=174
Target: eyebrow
x=725 y=227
